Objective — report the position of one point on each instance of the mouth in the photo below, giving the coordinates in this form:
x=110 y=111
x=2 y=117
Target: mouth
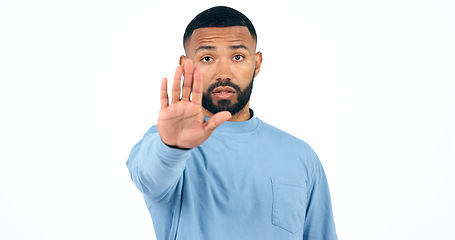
x=224 y=92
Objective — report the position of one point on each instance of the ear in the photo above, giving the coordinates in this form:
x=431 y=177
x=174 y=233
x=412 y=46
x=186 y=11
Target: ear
x=258 y=63
x=182 y=60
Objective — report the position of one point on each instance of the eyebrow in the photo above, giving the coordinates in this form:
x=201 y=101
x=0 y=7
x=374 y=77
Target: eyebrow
x=235 y=47
x=205 y=47
x=209 y=47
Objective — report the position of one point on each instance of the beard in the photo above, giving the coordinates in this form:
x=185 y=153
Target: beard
x=243 y=96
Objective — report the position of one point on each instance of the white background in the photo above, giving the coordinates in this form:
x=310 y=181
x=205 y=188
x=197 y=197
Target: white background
x=368 y=84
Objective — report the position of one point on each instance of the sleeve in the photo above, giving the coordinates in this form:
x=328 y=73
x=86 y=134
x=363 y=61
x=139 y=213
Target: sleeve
x=156 y=168
x=319 y=223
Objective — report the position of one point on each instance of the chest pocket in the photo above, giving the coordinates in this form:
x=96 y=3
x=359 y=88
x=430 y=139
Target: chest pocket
x=289 y=204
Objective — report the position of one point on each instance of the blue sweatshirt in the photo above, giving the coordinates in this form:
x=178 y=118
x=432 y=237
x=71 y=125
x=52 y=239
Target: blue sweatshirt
x=249 y=181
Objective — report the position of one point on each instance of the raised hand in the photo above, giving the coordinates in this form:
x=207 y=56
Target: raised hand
x=182 y=124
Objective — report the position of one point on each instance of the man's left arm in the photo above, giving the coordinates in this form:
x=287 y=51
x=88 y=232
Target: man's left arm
x=319 y=223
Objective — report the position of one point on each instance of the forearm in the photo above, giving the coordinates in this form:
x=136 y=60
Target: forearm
x=156 y=168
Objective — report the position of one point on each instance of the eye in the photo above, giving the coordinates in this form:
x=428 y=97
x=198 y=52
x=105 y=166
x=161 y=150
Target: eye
x=206 y=59
x=238 y=57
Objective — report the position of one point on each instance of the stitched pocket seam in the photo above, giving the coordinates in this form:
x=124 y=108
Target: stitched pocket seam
x=280 y=204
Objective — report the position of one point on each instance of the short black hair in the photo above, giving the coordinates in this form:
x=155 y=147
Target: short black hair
x=217 y=17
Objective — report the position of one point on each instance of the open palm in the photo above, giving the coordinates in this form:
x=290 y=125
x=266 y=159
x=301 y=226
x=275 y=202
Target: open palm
x=182 y=124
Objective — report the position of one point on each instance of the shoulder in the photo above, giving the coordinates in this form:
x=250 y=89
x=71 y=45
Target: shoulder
x=151 y=131
x=281 y=135
x=286 y=141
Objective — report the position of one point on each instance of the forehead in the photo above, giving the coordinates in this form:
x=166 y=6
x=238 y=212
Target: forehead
x=216 y=36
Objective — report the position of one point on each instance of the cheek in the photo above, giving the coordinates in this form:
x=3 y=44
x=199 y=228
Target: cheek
x=206 y=80
x=206 y=72
x=244 y=73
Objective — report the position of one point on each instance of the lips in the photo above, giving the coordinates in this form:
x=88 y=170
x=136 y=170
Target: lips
x=223 y=92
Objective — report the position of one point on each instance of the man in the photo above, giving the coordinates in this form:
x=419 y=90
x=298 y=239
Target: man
x=210 y=169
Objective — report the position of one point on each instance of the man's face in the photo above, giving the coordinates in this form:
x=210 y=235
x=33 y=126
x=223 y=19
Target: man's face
x=228 y=63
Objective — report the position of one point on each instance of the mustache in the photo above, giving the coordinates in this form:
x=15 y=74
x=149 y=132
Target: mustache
x=223 y=83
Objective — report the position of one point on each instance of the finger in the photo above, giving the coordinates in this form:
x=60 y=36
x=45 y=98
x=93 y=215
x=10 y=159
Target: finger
x=216 y=120
x=176 y=85
x=163 y=96
x=197 y=86
x=187 y=80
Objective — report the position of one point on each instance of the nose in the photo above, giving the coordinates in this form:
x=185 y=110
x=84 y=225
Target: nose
x=223 y=70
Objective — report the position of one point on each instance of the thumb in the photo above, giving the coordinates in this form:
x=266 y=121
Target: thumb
x=216 y=120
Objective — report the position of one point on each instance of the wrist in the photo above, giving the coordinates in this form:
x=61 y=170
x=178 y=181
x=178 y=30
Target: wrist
x=175 y=147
